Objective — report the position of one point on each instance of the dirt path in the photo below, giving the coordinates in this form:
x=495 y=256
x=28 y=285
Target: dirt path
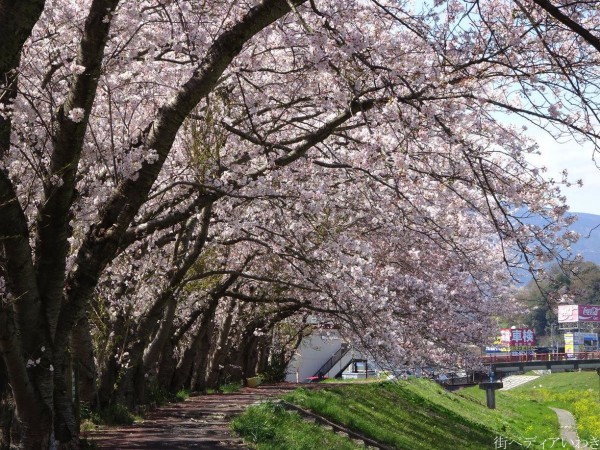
x=201 y=422
x=568 y=429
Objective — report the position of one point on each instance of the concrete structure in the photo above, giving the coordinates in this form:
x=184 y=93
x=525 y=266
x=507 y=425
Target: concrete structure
x=325 y=353
x=313 y=352
x=490 y=392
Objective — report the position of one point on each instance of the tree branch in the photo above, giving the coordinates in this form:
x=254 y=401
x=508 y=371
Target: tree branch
x=574 y=26
x=53 y=220
x=103 y=240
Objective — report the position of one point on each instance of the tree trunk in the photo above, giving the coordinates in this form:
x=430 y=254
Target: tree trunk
x=263 y=354
x=32 y=385
x=198 y=382
x=249 y=355
x=108 y=378
x=183 y=371
x=155 y=348
x=167 y=366
x=65 y=426
x=83 y=355
x=221 y=348
x=7 y=409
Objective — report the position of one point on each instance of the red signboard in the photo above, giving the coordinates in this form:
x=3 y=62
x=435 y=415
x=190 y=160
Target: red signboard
x=578 y=313
x=517 y=337
x=589 y=313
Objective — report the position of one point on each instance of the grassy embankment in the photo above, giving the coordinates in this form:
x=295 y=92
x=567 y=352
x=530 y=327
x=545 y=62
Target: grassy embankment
x=412 y=414
x=577 y=392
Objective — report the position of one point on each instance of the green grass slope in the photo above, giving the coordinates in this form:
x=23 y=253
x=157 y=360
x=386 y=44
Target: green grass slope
x=577 y=392
x=268 y=426
x=415 y=414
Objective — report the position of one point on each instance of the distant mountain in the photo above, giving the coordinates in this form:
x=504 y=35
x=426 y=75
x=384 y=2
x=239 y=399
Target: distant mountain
x=588 y=226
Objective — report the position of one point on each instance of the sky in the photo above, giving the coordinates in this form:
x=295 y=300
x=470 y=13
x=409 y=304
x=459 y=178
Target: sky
x=577 y=160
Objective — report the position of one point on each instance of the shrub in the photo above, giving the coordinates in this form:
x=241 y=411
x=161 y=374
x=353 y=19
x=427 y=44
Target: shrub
x=275 y=371
x=182 y=395
x=158 y=395
x=117 y=414
x=230 y=388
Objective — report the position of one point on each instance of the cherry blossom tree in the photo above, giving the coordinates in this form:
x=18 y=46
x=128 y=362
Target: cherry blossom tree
x=165 y=162
x=542 y=55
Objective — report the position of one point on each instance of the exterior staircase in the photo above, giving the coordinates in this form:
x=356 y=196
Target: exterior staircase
x=334 y=365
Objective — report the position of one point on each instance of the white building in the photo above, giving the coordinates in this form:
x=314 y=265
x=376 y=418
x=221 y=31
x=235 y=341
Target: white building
x=324 y=353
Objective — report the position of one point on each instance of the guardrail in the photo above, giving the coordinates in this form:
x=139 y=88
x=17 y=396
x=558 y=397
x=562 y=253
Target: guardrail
x=541 y=357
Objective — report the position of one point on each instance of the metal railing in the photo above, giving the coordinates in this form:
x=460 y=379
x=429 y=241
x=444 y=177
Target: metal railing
x=541 y=357
x=335 y=358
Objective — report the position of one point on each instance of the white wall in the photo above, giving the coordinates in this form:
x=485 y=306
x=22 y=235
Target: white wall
x=313 y=352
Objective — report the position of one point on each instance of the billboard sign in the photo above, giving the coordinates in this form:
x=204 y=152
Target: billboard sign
x=517 y=337
x=580 y=342
x=589 y=313
x=578 y=313
x=498 y=346
x=517 y=340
